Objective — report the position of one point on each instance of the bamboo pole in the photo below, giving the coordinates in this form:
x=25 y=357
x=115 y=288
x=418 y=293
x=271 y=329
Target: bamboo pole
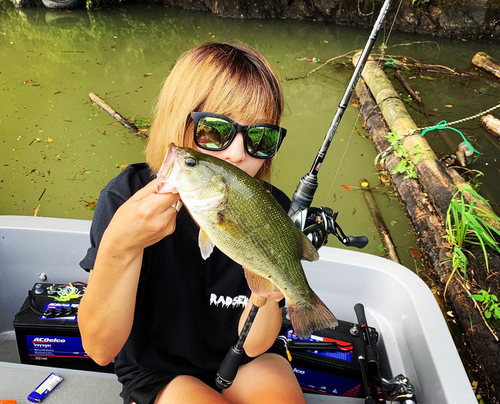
x=426 y=224
x=429 y=231
x=487 y=63
x=385 y=236
x=432 y=175
x=491 y=125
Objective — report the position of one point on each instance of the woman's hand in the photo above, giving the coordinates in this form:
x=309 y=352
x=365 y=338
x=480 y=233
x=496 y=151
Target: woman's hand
x=144 y=219
x=275 y=295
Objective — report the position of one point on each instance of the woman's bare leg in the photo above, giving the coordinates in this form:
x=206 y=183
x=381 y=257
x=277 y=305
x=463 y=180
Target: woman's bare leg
x=269 y=378
x=189 y=390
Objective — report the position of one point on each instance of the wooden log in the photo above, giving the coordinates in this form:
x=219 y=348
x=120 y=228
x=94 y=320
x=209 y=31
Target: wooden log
x=124 y=121
x=426 y=224
x=385 y=236
x=491 y=125
x=487 y=63
x=432 y=175
x=416 y=97
x=429 y=231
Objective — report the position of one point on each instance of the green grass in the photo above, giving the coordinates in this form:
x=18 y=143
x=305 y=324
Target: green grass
x=467 y=224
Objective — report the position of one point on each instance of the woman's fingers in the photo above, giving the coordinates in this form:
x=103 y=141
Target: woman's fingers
x=157 y=202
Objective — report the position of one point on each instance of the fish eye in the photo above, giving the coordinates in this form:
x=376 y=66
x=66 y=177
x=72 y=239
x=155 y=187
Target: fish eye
x=191 y=162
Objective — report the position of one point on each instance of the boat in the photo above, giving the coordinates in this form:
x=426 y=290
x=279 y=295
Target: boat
x=414 y=337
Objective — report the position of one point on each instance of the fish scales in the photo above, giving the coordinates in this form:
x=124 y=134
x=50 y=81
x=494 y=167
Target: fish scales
x=237 y=214
x=277 y=245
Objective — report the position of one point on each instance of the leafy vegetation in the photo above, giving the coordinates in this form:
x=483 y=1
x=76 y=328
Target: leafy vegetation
x=490 y=304
x=468 y=224
x=408 y=160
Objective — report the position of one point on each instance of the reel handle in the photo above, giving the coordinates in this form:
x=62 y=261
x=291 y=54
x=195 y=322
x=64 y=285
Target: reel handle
x=357 y=241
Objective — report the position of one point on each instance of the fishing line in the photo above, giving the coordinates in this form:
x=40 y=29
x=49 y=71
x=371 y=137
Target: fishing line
x=383 y=46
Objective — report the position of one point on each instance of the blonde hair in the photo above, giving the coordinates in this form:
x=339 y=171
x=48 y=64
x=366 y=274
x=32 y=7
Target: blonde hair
x=232 y=80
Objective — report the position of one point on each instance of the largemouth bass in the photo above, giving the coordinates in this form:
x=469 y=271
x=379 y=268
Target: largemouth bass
x=237 y=214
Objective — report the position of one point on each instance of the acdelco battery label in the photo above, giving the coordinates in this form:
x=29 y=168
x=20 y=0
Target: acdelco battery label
x=345 y=348
x=56 y=347
x=319 y=382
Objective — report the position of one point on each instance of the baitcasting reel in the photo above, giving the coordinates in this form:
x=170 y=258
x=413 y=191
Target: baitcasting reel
x=317 y=223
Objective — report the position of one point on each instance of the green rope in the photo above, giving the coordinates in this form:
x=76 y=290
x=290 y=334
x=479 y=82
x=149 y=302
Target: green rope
x=444 y=125
x=393 y=63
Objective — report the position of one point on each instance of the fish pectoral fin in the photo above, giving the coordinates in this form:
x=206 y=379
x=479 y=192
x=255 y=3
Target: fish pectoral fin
x=309 y=252
x=206 y=245
x=257 y=284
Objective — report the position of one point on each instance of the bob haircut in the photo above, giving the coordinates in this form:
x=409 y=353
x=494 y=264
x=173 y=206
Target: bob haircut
x=233 y=80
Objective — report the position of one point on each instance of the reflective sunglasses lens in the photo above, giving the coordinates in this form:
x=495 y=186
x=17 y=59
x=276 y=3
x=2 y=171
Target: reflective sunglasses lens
x=263 y=141
x=213 y=133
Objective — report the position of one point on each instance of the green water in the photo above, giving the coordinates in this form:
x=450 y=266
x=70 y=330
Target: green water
x=51 y=60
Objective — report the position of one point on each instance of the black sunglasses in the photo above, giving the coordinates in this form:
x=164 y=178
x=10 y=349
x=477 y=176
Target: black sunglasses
x=216 y=132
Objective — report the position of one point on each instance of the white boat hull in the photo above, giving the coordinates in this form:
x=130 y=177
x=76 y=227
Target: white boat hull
x=398 y=304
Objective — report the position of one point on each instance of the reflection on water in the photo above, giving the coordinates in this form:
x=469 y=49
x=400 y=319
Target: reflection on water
x=58 y=150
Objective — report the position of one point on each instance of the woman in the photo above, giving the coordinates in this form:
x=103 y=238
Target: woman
x=168 y=316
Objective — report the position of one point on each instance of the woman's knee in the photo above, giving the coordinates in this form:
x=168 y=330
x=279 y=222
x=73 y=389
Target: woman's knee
x=269 y=378
x=188 y=389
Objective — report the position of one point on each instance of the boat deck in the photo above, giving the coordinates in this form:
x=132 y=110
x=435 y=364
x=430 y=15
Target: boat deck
x=413 y=333
x=79 y=386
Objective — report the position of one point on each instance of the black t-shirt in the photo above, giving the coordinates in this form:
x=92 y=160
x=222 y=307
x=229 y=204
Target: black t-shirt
x=187 y=308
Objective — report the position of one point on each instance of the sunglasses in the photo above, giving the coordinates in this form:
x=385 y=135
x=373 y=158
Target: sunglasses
x=216 y=132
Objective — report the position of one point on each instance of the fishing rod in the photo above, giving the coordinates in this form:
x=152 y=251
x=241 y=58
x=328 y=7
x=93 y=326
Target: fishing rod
x=398 y=388
x=317 y=223
x=305 y=217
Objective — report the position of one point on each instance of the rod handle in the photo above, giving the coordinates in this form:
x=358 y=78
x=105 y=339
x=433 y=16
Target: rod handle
x=359 y=309
x=229 y=368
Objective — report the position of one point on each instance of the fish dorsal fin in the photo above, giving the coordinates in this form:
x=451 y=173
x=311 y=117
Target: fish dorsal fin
x=309 y=252
x=257 y=284
x=206 y=245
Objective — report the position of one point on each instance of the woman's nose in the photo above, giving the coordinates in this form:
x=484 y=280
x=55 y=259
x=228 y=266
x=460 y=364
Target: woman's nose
x=236 y=150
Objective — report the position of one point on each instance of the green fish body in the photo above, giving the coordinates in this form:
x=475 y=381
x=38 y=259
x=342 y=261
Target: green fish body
x=239 y=216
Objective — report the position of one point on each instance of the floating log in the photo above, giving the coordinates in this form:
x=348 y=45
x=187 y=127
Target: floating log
x=385 y=236
x=432 y=175
x=124 y=121
x=408 y=87
x=429 y=232
x=491 y=125
x=426 y=224
x=487 y=63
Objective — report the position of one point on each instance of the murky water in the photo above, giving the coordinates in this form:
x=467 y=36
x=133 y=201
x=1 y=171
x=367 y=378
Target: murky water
x=58 y=150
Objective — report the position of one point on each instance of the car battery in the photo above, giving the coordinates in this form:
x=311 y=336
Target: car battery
x=47 y=331
x=327 y=361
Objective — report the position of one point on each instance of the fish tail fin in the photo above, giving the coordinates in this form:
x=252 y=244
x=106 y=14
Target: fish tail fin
x=309 y=316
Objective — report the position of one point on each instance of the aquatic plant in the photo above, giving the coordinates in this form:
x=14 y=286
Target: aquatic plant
x=468 y=224
x=407 y=160
x=491 y=306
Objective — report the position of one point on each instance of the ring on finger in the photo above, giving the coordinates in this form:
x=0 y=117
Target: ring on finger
x=177 y=205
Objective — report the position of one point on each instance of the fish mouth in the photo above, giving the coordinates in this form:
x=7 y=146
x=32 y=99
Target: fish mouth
x=168 y=171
